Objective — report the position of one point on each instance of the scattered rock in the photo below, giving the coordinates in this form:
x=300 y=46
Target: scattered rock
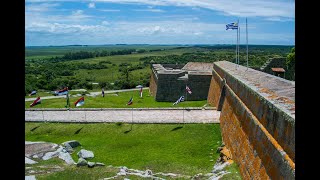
x=50 y=155
x=38 y=148
x=148 y=172
x=123 y=171
x=72 y=143
x=33 y=177
x=91 y=164
x=100 y=164
x=31 y=171
x=82 y=162
x=219 y=167
x=85 y=154
x=38 y=156
x=66 y=157
x=29 y=161
x=197 y=176
x=68 y=148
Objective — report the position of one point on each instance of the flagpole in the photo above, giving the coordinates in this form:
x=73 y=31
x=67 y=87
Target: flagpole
x=131 y=119
x=183 y=115
x=239 y=48
x=42 y=112
x=238 y=34
x=186 y=90
x=247 y=42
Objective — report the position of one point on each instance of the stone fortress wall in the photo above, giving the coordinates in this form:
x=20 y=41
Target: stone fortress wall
x=257 y=120
x=168 y=81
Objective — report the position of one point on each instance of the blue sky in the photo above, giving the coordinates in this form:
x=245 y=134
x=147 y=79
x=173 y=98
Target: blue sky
x=94 y=22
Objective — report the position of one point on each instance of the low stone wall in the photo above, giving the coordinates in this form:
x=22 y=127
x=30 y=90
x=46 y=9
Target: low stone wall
x=169 y=85
x=169 y=88
x=257 y=120
x=199 y=85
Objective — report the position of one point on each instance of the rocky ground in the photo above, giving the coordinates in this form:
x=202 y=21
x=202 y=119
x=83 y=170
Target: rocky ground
x=38 y=152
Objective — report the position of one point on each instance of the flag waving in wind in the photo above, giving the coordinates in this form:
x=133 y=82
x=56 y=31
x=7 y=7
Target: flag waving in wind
x=35 y=102
x=179 y=100
x=140 y=86
x=33 y=93
x=232 y=26
x=130 y=101
x=63 y=91
x=188 y=90
x=80 y=102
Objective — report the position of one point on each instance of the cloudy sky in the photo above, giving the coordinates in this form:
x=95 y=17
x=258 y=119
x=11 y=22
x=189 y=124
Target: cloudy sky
x=94 y=22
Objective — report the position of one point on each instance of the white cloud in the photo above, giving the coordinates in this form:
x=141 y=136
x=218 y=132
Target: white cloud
x=91 y=5
x=149 y=10
x=244 y=8
x=77 y=16
x=105 y=23
x=109 y=10
x=197 y=33
x=172 y=28
x=77 y=12
x=278 y=19
x=43 y=7
x=58 y=28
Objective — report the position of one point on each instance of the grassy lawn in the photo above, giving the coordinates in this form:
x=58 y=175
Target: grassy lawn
x=113 y=101
x=175 y=148
x=39 y=93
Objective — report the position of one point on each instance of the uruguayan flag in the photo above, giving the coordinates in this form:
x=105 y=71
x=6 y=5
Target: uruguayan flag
x=232 y=26
x=179 y=100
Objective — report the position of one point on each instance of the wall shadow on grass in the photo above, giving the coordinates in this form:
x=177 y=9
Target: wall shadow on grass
x=77 y=132
x=34 y=128
x=126 y=132
x=177 y=128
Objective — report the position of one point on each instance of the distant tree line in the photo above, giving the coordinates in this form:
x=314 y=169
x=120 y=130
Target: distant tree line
x=52 y=76
x=87 y=54
x=258 y=55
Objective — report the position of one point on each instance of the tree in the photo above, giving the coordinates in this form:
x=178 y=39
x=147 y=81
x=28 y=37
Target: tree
x=291 y=64
x=102 y=84
x=125 y=70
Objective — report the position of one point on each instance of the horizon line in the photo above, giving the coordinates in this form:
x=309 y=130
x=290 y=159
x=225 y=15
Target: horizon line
x=115 y=44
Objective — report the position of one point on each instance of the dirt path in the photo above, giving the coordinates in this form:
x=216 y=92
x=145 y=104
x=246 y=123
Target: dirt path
x=126 y=115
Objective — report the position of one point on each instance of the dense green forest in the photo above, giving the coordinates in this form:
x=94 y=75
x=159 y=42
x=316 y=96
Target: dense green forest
x=52 y=68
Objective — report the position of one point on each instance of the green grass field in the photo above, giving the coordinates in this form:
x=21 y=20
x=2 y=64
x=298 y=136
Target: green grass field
x=175 y=148
x=39 y=93
x=113 y=101
x=47 y=51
